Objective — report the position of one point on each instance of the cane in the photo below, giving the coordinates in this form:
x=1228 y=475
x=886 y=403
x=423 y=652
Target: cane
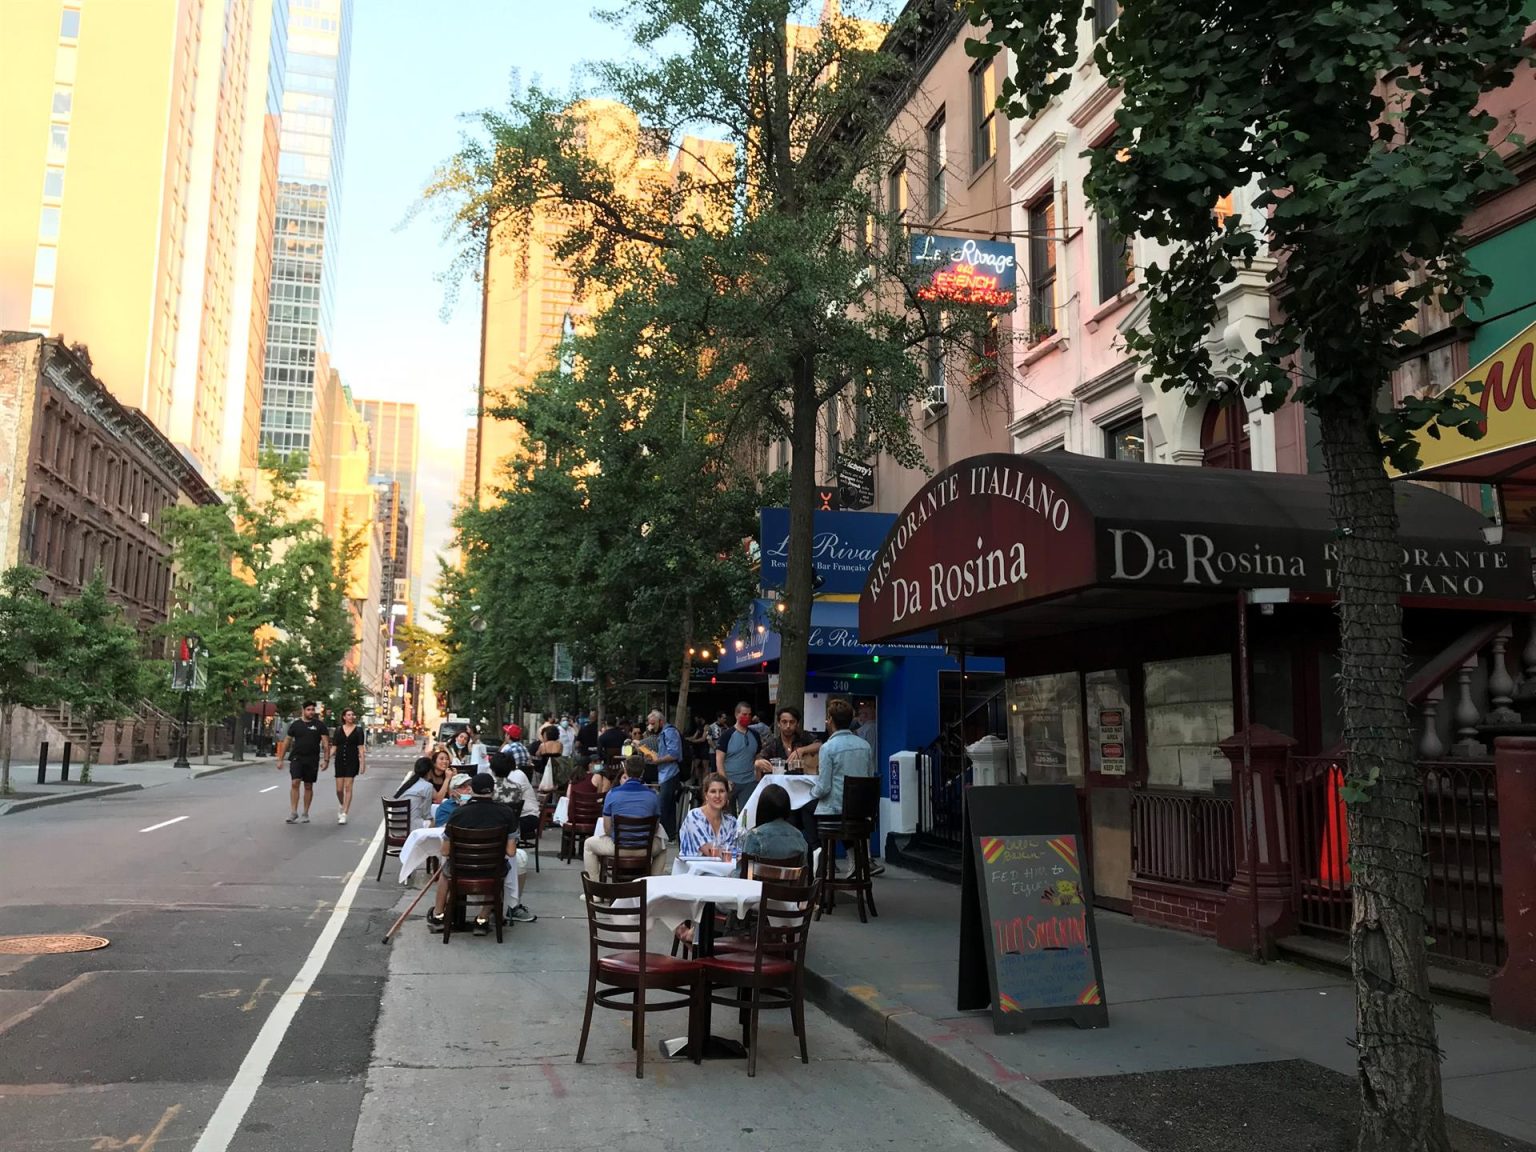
x=427 y=887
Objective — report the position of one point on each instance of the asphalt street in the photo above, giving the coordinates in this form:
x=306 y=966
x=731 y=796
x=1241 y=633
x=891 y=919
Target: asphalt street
x=210 y=918
x=215 y=908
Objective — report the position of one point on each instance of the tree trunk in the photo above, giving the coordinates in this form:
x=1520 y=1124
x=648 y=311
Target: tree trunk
x=1399 y=1061
x=794 y=622
x=91 y=724
x=5 y=749
x=237 y=752
x=680 y=717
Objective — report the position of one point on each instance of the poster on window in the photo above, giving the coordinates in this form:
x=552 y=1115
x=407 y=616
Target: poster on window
x=1109 y=722
x=1043 y=722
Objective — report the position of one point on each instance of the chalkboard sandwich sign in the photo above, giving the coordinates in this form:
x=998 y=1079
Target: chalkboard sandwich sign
x=1028 y=944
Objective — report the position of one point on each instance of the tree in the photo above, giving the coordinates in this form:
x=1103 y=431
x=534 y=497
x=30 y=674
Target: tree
x=421 y=650
x=762 y=272
x=32 y=632
x=100 y=674
x=1358 y=125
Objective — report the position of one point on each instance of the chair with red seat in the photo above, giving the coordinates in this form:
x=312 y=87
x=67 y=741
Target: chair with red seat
x=772 y=974
x=580 y=822
x=477 y=873
x=397 y=827
x=784 y=870
x=617 y=925
x=633 y=838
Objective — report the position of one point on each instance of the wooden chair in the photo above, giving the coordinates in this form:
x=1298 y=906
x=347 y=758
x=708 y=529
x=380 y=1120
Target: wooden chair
x=580 y=821
x=530 y=842
x=617 y=925
x=861 y=800
x=477 y=873
x=397 y=826
x=785 y=870
x=632 y=840
x=772 y=974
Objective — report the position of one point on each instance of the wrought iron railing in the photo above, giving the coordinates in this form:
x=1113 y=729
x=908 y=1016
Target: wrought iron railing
x=1463 y=908
x=1183 y=837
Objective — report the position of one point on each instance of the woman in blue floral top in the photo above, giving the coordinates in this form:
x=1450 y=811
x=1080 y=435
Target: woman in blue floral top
x=710 y=830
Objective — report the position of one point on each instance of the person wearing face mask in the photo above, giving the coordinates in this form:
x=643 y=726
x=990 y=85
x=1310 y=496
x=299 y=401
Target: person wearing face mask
x=458 y=793
x=462 y=750
x=736 y=755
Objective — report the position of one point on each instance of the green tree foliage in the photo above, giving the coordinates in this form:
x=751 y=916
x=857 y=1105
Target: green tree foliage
x=756 y=282
x=265 y=590
x=1358 y=126
x=422 y=651
x=32 y=634
x=621 y=532
x=100 y=674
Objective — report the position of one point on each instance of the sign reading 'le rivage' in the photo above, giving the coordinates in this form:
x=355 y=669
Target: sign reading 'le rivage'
x=953 y=270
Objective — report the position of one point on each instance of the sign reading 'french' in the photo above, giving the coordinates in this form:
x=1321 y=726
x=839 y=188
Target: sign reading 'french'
x=956 y=270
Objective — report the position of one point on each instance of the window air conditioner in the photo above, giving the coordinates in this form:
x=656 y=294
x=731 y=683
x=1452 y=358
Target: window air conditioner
x=938 y=398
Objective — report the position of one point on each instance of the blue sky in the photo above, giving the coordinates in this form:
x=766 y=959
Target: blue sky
x=416 y=70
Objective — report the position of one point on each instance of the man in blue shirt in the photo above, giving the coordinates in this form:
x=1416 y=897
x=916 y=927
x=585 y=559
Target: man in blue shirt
x=736 y=756
x=842 y=755
x=669 y=762
x=631 y=798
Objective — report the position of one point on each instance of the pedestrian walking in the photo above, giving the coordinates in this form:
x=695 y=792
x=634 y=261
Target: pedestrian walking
x=307 y=748
x=351 y=760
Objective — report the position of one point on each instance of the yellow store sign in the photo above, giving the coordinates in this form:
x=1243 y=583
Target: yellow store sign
x=1508 y=401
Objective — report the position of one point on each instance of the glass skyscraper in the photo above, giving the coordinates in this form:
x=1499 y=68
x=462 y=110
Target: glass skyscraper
x=301 y=302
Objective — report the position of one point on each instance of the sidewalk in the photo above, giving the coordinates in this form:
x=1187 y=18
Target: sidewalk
x=1205 y=1049
x=111 y=779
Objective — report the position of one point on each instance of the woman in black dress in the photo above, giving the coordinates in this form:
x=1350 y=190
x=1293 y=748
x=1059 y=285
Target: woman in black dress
x=351 y=759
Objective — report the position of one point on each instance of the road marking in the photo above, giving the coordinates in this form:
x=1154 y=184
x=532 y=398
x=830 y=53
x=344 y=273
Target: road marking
x=154 y=1136
x=225 y=1122
x=274 y=788
x=163 y=824
x=260 y=988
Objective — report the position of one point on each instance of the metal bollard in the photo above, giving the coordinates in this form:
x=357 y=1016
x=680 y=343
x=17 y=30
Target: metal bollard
x=64 y=777
x=42 y=764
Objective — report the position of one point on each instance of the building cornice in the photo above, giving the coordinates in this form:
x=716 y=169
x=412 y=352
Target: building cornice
x=1086 y=110
x=1035 y=162
x=1106 y=382
x=1048 y=413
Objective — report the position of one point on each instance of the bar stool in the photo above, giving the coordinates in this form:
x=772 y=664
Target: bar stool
x=861 y=800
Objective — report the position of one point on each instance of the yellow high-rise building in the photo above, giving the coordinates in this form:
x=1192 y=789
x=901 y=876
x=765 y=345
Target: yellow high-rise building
x=530 y=300
x=121 y=182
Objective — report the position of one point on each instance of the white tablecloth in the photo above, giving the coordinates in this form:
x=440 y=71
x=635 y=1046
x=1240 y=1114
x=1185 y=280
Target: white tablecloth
x=669 y=900
x=425 y=842
x=798 y=787
x=702 y=866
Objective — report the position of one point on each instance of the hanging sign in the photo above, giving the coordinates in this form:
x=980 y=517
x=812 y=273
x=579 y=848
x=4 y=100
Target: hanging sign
x=961 y=270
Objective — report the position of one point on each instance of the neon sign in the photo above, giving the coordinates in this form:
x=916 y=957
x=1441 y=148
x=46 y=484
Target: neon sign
x=952 y=270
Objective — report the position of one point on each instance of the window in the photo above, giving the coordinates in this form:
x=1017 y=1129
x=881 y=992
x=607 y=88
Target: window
x=1224 y=436
x=1223 y=210
x=45 y=266
x=1042 y=267
x=983 y=115
x=1115 y=263
x=1126 y=440
x=58 y=143
x=69 y=24
x=834 y=445
x=53 y=183
x=896 y=192
x=63 y=101
x=1105 y=13
x=64 y=64
x=938 y=395
x=938 y=157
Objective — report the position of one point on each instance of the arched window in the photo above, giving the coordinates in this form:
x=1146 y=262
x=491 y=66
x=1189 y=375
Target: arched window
x=1224 y=437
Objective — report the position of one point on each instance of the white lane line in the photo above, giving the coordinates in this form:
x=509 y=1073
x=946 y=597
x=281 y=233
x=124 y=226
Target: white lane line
x=163 y=824
x=227 y=1117
x=274 y=788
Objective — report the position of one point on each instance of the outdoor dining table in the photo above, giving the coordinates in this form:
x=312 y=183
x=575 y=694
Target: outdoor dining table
x=798 y=787
x=670 y=900
x=424 y=843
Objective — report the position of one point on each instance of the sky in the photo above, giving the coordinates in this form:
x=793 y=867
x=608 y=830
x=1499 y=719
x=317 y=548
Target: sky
x=417 y=69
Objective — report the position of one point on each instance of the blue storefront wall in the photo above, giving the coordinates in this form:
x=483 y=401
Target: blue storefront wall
x=904 y=680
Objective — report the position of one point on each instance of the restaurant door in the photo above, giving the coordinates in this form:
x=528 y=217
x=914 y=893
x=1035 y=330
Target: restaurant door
x=1110 y=771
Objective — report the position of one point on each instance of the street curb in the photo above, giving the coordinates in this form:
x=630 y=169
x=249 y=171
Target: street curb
x=1018 y=1111
x=92 y=793
x=199 y=773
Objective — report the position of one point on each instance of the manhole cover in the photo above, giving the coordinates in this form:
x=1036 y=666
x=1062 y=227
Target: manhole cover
x=45 y=945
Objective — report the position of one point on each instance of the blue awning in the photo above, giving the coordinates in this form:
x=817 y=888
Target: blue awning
x=834 y=632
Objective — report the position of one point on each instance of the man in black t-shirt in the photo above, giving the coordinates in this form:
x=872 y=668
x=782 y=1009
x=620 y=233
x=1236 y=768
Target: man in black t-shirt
x=586 y=739
x=610 y=742
x=481 y=811
x=307 y=747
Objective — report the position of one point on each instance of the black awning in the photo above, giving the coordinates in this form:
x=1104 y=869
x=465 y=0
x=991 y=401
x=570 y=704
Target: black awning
x=997 y=533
